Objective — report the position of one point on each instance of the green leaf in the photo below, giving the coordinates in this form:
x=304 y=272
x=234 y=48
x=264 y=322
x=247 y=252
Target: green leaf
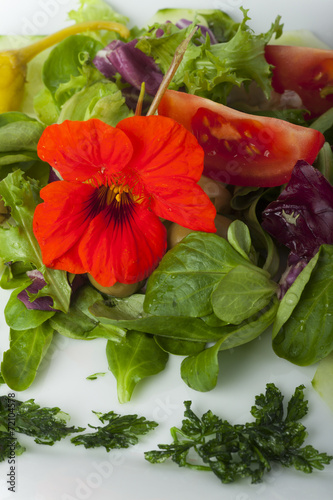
x=6 y=446
x=120 y=431
x=244 y=196
x=211 y=71
x=307 y=335
x=67 y=69
x=97 y=10
x=239 y=238
x=187 y=275
x=94 y=376
x=19 y=135
x=46 y=425
x=136 y=358
x=293 y=295
x=243 y=292
x=22 y=359
x=260 y=238
x=324 y=162
x=179 y=347
x=19 y=132
x=250 y=329
x=200 y=371
x=102 y=100
x=79 y=323
x=15 y=275
x=322 y=381
x=297 y=406
x=129 y=314
x=233 y=452
x=19 y=317
x=45 y=107
x=18 y=243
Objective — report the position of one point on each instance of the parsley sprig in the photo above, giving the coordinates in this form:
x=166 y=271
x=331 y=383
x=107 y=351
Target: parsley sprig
x=120 y=431
x=238 y=451
x=46 y=425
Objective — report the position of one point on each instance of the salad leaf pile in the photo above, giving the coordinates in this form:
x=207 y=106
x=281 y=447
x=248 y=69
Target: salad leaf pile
x=208 y=294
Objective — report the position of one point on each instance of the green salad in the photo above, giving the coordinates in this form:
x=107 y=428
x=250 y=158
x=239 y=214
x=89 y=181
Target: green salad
x=263 y=135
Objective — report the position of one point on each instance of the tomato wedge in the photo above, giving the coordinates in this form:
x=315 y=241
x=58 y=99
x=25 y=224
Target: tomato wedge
x=309 y=72
x=242 y=149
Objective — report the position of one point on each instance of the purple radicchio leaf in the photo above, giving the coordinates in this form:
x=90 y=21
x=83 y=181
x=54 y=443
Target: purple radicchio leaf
x=302 y=216
x=131 y=63
x=102 y=62
x=293 y=269
x=184 y=23
x=160 y=32
x=301 y=219
x=38 y=282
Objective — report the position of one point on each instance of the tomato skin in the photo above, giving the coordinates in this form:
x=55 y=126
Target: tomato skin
x=242 y=149
x=307 y=71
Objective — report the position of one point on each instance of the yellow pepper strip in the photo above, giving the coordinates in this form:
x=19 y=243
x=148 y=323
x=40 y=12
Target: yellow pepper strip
x=13 y=63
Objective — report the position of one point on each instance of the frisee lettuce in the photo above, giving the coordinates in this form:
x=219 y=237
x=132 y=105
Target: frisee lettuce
x=212 y=70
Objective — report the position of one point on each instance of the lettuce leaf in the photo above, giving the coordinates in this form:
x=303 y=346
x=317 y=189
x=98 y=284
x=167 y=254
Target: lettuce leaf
x=97 y=10
x=17 y=240
x=211 y=71
x=102 y=100
x=131 y=63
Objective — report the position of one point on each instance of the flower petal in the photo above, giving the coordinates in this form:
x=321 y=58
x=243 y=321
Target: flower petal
x=188 y=205
x=170 y=166
x=60 y=222
x=163 y=150
x=81 y=150
x=125 y=253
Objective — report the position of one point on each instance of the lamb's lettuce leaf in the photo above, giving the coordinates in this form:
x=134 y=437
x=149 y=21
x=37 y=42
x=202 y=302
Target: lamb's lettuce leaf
x=129 y=315
x=136 y=358
x=19 y=136
x=79 y=323
x=303 y=333
x=22 y=359
x=322 y=381
x=189 y=279
x=200 y=370
x=19 y=317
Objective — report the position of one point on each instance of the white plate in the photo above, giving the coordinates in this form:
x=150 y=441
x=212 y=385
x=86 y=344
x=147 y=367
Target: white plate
x=65 y=472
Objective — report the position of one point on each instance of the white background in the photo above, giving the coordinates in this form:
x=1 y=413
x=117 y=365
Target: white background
x=65 y=472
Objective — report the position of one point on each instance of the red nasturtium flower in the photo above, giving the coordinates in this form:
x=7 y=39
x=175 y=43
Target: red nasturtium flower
x=103 y=217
